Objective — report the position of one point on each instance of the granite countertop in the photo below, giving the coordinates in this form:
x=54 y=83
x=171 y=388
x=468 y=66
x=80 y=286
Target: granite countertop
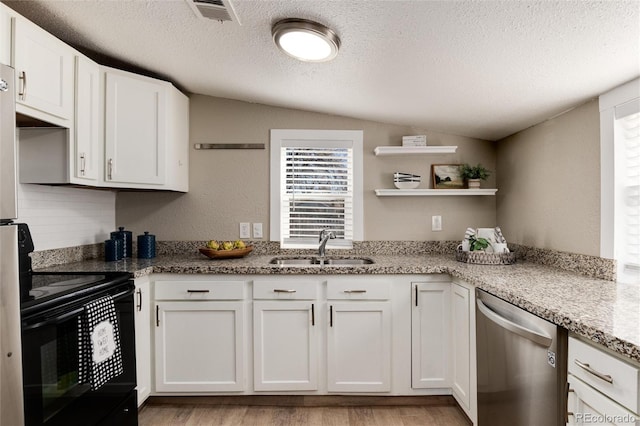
x=603 y=311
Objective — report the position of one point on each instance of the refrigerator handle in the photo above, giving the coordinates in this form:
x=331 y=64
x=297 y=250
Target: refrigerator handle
x=535 y=336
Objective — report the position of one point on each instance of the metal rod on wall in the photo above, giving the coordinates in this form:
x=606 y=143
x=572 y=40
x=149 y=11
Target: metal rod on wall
x=228 y=146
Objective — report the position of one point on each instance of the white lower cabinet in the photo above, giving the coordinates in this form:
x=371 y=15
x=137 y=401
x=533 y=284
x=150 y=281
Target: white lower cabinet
x=359 y=347
x=285 y=336
x=463 y=347
x=314 y=334
x=199 y=340
x=143 y=338
x=603 y=388
x=588 y=406
x=431 y=335
x=285 y=346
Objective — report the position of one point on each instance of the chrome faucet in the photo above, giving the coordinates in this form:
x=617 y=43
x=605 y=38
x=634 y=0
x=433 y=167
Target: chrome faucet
x=325 y=235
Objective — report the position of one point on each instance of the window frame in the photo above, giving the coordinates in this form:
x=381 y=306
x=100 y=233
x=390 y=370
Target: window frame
x=608 y=102
x=282 y=137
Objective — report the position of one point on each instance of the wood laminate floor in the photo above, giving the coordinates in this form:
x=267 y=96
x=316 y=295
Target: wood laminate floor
x=156 y=414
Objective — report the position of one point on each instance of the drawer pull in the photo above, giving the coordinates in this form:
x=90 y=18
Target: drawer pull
x=197 y=291
x=355 y=291
x=590 y=370
x=281 y=290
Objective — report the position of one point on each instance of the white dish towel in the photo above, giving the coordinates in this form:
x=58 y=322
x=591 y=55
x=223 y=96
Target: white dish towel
x=99 y=343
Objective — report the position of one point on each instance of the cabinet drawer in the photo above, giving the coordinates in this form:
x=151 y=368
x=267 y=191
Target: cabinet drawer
x=199 y=290
x=285 y=290
x=624 y=377
x=359 y=289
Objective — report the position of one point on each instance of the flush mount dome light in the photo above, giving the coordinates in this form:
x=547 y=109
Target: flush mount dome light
x=305 y=40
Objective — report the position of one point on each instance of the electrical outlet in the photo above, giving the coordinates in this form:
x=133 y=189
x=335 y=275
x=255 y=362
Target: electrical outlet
x=245 y=230
x=257 y=230
x=436 y=223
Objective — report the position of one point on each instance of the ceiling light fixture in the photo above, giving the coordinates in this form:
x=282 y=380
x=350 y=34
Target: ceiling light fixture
x=305 y=40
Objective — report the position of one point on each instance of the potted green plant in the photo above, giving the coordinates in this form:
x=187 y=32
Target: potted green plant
x=474 y=174
x=478 y=244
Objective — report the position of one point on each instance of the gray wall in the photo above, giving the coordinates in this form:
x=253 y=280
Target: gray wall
x=232 y=186
x=549 y=183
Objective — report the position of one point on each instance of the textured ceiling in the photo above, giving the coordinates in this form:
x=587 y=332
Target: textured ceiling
x=484 y=69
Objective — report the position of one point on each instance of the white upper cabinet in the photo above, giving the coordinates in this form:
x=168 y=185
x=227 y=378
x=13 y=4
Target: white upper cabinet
x=5 y=35
x=44 y=72
x=135 y=129
x=88 y=135
x=177 y=141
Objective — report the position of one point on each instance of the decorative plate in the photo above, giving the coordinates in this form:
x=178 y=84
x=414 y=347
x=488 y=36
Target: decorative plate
x=225 y=254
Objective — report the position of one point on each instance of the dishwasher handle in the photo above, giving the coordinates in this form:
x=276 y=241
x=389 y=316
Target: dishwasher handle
x=535 y=336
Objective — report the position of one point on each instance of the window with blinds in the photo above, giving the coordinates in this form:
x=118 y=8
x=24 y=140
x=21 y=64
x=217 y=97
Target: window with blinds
x=316 y=184
x=317 y=193
x=627 y=217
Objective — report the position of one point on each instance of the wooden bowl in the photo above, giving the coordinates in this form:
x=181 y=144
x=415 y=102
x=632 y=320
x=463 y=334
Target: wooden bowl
x=226 y=254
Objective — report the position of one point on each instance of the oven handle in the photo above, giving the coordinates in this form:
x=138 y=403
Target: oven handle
x=60 y=318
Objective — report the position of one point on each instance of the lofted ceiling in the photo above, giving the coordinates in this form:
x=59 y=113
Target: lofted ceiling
x=484 y=69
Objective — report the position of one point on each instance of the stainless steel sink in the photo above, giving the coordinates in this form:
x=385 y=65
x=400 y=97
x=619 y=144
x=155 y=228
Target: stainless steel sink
x=348 y=261
x=298 y=261
x=316 y=261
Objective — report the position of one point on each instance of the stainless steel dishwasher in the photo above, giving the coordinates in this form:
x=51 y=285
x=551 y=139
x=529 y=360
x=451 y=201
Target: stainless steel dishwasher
x=522 y=366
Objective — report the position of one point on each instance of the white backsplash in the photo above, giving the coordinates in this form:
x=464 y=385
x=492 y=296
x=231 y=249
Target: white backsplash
x=61 y=217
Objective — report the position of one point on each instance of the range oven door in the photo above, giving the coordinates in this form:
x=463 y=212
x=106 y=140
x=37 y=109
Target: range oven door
x=52 y=392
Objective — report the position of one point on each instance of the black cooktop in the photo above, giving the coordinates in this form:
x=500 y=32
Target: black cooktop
x=61 y=287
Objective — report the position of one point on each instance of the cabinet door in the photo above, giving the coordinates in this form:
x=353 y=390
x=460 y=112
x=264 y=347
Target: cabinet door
x=588 y=406
x=359 y=347
x=44 y=69
x=86 y=159
x=285 y=346
x=143 y=338
x=461 y=344
x=199 y=346
x=5 y=34
x=135 y=129
x=430 y=339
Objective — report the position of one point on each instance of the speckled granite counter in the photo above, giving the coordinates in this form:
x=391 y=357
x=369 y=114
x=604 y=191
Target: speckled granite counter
x=606 y=312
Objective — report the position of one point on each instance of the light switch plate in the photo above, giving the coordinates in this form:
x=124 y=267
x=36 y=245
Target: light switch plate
x=257 y=230
x=245 y=230
x=436 y=223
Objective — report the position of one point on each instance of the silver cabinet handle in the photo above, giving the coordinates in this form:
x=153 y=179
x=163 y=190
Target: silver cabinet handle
x=83 y=163
x=280 y=290
x=355 y=291
x=139 y=300
x=607 y=378
x=197 y=291
x=23 y=85
x=110 y=168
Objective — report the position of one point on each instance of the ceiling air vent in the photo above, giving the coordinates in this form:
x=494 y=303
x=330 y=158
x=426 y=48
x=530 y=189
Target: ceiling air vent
x=218 y=10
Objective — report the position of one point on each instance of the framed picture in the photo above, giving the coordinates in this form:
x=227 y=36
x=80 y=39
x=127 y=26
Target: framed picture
x=447 y=176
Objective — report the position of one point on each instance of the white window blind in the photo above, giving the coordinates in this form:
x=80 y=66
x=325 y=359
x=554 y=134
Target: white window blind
x=317 y=187
x=627 y=146
x=316 y=183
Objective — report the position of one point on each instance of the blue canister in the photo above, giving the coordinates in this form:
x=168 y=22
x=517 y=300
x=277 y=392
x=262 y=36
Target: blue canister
x=113 y=249
x=126 y=237
x=146 y=246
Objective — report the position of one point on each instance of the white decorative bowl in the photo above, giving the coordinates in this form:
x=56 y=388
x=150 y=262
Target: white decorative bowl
x=407 y=185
